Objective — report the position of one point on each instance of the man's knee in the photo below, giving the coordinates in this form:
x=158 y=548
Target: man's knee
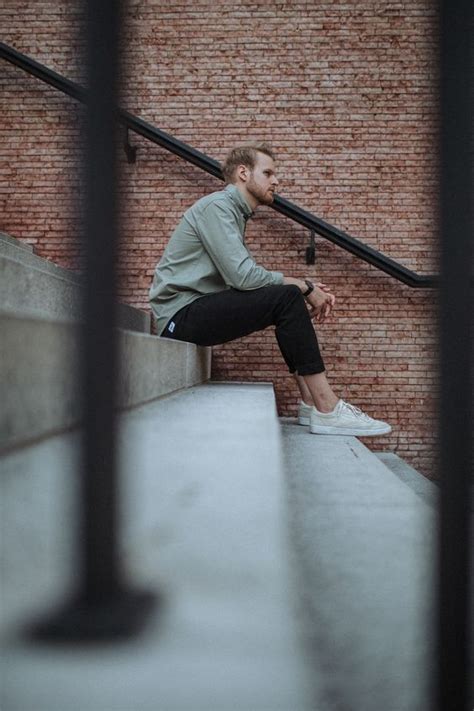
x=288 y=299
x=291 y=294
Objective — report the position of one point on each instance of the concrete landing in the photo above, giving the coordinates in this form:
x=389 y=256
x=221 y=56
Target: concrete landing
x=364 y=547
x=204 y=524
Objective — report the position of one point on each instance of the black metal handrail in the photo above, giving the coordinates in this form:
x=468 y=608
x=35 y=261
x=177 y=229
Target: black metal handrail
x=191 y=155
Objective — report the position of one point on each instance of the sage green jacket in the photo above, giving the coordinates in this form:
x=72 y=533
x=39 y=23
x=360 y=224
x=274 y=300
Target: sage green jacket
x=206 y=254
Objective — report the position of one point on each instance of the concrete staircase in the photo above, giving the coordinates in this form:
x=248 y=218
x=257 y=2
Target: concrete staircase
x=296 y=570
x=40 y=323
x=204 y=526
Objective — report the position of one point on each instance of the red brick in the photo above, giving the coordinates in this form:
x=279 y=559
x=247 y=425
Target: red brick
x=346 y=93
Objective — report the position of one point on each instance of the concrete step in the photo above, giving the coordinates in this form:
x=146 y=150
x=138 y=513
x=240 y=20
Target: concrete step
x=427 y=490
x=204 y=524
x=40 y=362
x=364 y=557
x=37 y=287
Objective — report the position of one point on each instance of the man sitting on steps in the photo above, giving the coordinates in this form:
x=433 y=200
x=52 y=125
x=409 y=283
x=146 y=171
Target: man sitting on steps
x=207 y=289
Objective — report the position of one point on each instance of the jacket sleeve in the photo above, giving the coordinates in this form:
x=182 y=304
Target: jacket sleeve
x=222 y=240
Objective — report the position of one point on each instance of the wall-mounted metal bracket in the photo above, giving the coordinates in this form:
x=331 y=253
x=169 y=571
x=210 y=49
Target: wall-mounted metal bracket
x=311 y=250
x=131 y=151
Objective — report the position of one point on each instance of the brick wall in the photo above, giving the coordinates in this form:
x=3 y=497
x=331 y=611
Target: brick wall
x=346 y=93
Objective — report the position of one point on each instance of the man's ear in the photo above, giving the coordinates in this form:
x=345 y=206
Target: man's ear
x=243 y=172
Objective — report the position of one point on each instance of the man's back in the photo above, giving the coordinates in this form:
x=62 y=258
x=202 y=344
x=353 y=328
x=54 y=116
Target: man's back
x=206 y=254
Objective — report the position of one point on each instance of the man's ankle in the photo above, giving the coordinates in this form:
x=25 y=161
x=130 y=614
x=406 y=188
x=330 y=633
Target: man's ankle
x=326 y=406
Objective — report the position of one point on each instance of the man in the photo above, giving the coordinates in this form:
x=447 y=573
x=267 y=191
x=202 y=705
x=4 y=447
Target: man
x=207 y=289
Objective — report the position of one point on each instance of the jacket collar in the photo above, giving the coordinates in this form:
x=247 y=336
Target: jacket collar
x=239 y=200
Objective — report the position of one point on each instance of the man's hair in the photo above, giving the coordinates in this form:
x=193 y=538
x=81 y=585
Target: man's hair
x=244 y=155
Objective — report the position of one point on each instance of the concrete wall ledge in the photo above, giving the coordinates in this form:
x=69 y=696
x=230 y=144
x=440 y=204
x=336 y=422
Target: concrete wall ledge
x=35 y=286
x=40 y=362
x=6 y=240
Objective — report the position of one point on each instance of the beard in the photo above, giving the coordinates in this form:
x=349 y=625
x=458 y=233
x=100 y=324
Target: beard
x=264 y=197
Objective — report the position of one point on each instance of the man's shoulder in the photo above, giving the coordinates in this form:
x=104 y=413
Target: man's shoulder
x=217 y=197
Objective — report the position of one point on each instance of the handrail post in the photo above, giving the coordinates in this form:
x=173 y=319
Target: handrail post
x=105 y=607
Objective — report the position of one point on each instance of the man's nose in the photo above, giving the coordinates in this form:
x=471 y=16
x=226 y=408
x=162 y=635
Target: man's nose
x=275 y=180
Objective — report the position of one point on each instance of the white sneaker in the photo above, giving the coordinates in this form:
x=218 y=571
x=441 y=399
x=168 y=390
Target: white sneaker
x=346 y=419
x=304 y=413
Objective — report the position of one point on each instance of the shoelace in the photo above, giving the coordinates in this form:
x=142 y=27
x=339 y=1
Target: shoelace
x=355 y=410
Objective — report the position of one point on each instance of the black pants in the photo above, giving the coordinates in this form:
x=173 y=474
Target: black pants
x=230 y=314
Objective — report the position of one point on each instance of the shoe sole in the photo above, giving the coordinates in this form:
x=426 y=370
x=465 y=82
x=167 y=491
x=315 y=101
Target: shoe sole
x=303 y=420
x=352 y=431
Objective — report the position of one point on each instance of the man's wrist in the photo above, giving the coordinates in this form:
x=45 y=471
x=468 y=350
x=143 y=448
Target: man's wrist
x=309 y=288
x=302 y=284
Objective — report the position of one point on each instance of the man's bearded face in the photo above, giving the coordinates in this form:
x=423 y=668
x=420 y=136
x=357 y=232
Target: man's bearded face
x=262 y=181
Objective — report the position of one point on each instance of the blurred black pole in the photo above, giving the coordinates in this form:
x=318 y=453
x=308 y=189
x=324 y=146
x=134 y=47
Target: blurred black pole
x=101 y=577
x=456 y=322
x=105 y=607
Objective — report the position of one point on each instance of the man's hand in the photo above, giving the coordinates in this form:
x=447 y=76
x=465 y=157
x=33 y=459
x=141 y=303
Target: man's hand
x=321 y=302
